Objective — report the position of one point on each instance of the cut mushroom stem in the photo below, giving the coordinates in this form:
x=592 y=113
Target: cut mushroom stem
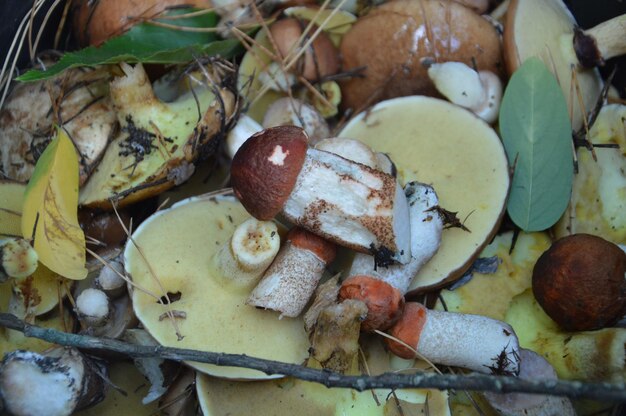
x=93 y=307
x=607 y=40
x=532 y=367
x=110 y=279
x=474 y=342
x=342 y=201
x=290 y=281
x=480 y=92
x=246 y=126
x=426 y=227
x=359 y=152
x=56 y=384
x=18 y=259
x=249 y=252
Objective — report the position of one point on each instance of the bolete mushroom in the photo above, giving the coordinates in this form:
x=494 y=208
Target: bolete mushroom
x=548 y=30
x=580 y=281
x=395 y=41
x=464 y=162
x=183 y=298
x=340 y=200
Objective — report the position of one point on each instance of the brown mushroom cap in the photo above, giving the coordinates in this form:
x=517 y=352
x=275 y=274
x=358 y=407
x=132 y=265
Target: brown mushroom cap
x=97 y=21
x=384 y=302
x=396 y=41
x=320 y=59
x=322 y=249
x=580 y=284
x=265 y=168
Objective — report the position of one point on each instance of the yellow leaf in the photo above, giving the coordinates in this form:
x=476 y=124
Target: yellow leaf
x=50 y=211
x=11 y=201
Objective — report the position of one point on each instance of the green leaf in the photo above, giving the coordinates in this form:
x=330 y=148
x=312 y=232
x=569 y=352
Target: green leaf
x=50 y=210
x=147 y=43
x=536 y=133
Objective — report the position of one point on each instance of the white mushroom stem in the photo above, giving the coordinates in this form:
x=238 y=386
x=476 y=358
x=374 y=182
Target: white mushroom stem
x=56 y=384
x=532 y=367
x=474 y=342
x=18 y=259
x=246 y=126
x=249 y=252
x=290 y=281
x=93 y=307
x=604 y=41
x=275 y=78
x=479 y=92
x=110 y=279
x=426 y=227
x=359 y=152
x=352 y=205
x=291 y=111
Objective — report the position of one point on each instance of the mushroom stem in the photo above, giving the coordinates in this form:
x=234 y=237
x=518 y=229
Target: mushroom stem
x=292 y=278
x=604 y=41
x=425 y=228
x=352 y=205
x=474 y=342
x=249 y=252
x=55 y=384
x=18 y=259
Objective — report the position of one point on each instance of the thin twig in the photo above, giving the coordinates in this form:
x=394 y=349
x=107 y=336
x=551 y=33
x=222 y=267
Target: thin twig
x=476 y=382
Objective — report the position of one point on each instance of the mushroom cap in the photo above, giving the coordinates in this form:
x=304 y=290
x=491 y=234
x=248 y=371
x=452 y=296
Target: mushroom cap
x=397 y=39
x=322 y=249
x=97 y=21
x=384 y=302
x=320 y=59
x=579 y=282
x=265 y=168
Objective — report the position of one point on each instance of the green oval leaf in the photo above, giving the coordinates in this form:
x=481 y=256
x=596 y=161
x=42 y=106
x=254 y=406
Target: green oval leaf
x=536 y=133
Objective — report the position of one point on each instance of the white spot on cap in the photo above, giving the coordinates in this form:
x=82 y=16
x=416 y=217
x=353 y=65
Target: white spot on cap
x=278 y=156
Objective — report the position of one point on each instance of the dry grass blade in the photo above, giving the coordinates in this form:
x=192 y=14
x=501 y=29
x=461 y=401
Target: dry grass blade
x=417 y=354
x=44 y=24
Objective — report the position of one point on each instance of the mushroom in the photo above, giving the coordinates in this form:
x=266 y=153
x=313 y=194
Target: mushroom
x=466 y=164
x=426 y=226
x=580 y=282
x=290 y=281
x=290 y=111
x=395 y=41
x=57 y=384
x=548 y=30
x=96 y=22
x=352 y=149
x=187 y=301
x=480 y=92
x=92 y=307
x=340 y=200
x=159 y=141
x=532 y=367
x=110 y=280
x=474 y=342
x=18 y=259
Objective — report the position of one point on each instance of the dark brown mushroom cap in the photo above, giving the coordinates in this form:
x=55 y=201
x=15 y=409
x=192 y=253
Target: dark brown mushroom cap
x=579 y=282
x=322 y=249
x=265 y=168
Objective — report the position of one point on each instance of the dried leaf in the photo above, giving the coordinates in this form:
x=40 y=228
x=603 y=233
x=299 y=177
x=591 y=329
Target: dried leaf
x=50 y=211
x=536 y=133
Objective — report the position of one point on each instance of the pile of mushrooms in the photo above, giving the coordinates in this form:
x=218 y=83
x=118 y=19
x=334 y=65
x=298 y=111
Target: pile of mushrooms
x=353 y=219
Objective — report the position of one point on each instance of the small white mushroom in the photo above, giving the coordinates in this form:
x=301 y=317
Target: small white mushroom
x=246 y=126
x=110 y=279
x=290 y=281
x=18 y=259
x=275 y=78
x=249 y=252
x=291 y=111
x=56 y=384
x=93 y=307
x=426 y=227
x=474 y=342
x=479 y=92
x=342 y=201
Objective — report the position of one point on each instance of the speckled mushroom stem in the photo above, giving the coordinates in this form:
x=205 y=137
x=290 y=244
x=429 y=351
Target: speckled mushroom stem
x=426 y=227
x=249 y=252
x=289 y=283
x=474 y=342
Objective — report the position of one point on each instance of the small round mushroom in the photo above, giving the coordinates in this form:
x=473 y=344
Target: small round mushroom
x=580 y=282
x=384 y=302
x=93 y=307
x=289 y=283
x=340 y=200
x=321 y=57
x=110 y=280
x=474 y=342
x=18 y=259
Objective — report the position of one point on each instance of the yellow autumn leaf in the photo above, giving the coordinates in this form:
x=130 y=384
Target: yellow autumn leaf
x=50 y=210
x=11 y=201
